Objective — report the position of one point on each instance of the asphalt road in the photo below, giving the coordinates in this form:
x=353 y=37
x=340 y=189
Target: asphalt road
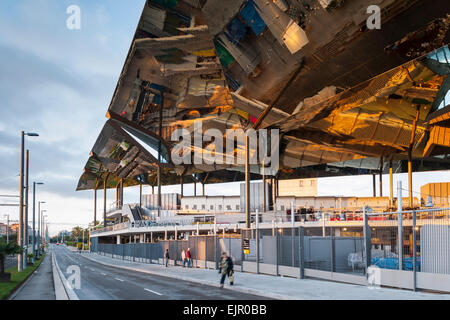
x=100 y=282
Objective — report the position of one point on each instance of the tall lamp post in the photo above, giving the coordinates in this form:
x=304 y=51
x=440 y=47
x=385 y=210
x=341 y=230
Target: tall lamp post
x=44 y=240
x=21 y=258
x=38 y=251
x=34 y=213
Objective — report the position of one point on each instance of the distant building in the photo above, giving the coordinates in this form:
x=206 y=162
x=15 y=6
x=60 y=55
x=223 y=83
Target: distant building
x=298 y=187
x=3 y=229
x=439 y=192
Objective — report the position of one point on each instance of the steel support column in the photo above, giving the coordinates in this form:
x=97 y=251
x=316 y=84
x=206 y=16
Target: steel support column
x=400 y=225
x=159 y=190
x=410 y=188
x=95 y=205
x=247 y=181
x=104 y=201
x=374 y=185
x=140 y=194
x=264 y=188
x=414 y=252
x=391 y=185
x=381 y=176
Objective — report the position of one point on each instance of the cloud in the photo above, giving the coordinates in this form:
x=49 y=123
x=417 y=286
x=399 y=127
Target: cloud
x=59 y=83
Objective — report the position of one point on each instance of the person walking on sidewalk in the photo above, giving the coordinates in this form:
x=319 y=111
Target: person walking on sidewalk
x=226 y=269
x=166 y=256
x=189 y=257
x=183 y=257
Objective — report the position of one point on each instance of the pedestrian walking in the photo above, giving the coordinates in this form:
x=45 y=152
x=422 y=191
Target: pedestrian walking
x=166 y=256
x=230 y=270
x=189 y=257
x=183 y=257
x=226 y=269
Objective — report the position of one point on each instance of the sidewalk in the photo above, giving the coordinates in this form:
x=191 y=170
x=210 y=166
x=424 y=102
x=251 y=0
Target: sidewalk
x=270 y=286
x=40 y=284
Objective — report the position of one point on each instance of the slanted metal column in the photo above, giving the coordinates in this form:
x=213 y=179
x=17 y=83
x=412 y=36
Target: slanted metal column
x=247 y=181
x=391 y=185
x=400 y=225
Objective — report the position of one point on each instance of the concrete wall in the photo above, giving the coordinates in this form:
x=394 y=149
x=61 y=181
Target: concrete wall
x=405 y=279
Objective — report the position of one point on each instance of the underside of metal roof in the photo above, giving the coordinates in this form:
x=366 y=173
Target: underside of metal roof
x=342 y=96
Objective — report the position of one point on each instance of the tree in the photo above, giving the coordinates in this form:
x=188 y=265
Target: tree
x=7 y=249
x=77 y=232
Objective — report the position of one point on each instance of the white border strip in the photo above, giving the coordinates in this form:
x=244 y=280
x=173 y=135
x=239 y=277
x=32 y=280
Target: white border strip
x=69 y=291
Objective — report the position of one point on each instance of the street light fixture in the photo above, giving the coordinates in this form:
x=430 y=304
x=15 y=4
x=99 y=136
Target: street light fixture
x=21 y=260
x=34 y=213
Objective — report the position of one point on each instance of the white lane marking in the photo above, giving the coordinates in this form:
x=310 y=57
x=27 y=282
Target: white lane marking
x=119 y=279
x=159 y=294
x=103 y=274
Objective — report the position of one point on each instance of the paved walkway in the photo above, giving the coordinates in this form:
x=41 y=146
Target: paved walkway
x=40 y=284
x=270 y=286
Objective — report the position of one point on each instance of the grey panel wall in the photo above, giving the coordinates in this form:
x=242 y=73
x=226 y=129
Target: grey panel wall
x=435 y=248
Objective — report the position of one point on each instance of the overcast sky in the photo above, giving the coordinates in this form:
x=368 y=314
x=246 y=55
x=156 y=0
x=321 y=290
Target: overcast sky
x=59 y=82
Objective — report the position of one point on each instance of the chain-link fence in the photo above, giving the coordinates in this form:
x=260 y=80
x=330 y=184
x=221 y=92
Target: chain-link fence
x=415 y=240
x=205 y=250
x=291 y=247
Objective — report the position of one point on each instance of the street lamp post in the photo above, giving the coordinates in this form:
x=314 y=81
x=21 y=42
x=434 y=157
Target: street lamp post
x=43 y=231
x=38 y=251
x=25 y=214
x=34 y=213
x=20 y=239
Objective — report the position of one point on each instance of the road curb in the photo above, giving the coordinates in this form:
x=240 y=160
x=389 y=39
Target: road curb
x=71 y=295
x=204 y=282
x=60 y=290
